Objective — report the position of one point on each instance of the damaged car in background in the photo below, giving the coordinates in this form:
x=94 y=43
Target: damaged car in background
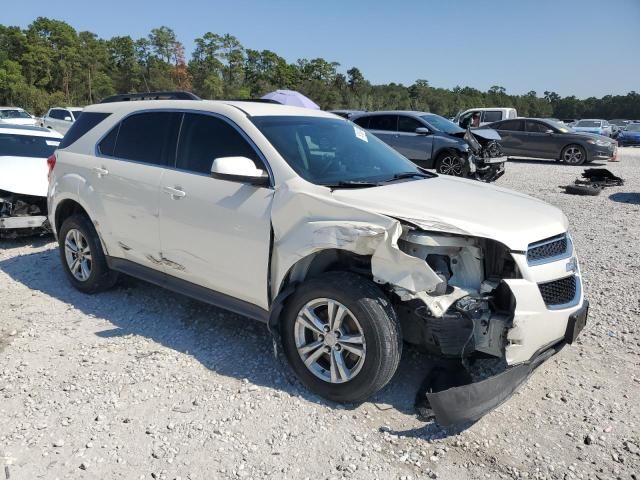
x=313 y=225
x=23 y=178
x=433 y=142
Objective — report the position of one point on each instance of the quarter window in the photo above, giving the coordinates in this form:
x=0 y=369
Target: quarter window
x=203 y=138
x=408 y=124
x=383 y=122
x=146 y=137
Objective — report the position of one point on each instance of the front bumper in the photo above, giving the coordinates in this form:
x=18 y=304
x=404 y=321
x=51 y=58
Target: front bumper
x=603 y=153
x=470 y=402
x=10 y=223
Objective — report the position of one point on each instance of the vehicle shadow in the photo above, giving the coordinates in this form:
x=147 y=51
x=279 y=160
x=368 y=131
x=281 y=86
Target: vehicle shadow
x=224 y=342
x=626 y=197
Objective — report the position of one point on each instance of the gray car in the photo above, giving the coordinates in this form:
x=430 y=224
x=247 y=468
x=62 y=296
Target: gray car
x=432 y=141
x=546 y=139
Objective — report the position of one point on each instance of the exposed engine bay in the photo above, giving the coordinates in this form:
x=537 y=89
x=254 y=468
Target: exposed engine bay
x=486 y=159
x=22 y=214
x=471 y=309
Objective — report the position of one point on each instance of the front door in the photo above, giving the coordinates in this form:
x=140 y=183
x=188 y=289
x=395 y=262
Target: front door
x=414 y=146
x=513 y=138
x=215 y=233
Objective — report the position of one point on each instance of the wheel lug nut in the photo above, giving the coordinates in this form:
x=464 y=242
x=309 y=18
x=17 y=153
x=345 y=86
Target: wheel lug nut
x=326 y=328
x=327 y=349
x=337 y=333
x=337 y=347
x=321 y=338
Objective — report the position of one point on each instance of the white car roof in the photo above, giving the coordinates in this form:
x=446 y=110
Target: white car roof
x=254 y=109
x=11 y=108
x=27 y=130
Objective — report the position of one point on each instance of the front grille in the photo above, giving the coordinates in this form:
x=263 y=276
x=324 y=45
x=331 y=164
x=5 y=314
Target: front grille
x=558 y=292
x=549 y=248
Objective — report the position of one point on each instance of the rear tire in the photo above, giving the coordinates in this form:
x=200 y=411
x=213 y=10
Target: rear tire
x=341 y=336
x=82 y=257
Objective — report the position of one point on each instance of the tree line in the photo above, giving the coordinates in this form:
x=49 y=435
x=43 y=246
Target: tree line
x=50 y=63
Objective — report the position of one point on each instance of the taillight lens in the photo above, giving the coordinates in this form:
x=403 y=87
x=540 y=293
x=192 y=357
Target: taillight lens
x=51 y=162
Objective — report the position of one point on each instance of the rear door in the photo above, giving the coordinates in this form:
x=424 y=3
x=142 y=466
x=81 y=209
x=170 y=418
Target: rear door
x=385 y=127
x=126 y=176
x=215 y=233
x=513 y=137
x=414 y=146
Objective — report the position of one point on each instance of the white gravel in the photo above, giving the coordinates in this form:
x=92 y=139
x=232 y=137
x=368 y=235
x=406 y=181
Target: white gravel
x=141 y=383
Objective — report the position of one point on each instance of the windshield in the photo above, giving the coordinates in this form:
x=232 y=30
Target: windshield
x=589 y=123
x=14 y=114
x=442 y=124
x=328 y=151
x=633 y=127
x=27 y=145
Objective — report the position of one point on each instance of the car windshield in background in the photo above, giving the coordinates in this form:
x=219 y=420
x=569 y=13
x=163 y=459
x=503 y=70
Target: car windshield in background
x=589 y=123
x=27 y=146
x=14 y=114
x=442 y=124
x=333 y=152
x=633 y=127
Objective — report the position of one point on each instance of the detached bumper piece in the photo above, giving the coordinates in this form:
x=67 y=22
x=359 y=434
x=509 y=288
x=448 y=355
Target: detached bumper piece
x=469 y=403
x=22 y=212
x=593 y=182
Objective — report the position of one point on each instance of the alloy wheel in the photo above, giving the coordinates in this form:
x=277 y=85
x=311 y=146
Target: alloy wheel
x=573 y=155
x=451 y=165
x=330 y=340
x=78 y=254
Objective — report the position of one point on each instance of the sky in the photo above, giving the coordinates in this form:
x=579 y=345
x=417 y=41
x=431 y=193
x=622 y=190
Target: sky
x=573 y=47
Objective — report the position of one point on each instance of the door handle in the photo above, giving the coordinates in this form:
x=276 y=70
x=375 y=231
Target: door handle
x=175 y=193
x=101 y=172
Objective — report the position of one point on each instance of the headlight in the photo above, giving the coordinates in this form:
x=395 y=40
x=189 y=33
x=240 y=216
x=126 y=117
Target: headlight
x=600 y=143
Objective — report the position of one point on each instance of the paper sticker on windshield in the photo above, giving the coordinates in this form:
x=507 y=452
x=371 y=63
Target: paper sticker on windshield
x=360 y=133
x=53 y=143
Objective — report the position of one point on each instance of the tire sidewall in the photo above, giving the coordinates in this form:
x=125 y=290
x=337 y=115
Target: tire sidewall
x=356 y=389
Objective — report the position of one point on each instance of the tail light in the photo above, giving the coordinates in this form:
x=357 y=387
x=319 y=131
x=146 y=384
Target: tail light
x=51 y=162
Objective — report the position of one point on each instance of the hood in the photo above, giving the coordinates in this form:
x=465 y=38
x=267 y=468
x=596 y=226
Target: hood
x=461 y=206
x=595 y=136
x=24 y=175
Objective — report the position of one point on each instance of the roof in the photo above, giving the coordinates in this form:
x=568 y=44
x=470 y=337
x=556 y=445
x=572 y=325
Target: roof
x=12 y=108
x=28 y=130
x=395 y=112
x=253 y=109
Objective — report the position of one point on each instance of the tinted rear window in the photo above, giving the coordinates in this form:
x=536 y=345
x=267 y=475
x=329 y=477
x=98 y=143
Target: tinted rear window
x=85 y=122
x=148 y=137
x=27 y=145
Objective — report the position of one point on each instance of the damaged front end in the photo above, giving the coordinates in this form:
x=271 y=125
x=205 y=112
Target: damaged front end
x=486 y=159
x=22 y=214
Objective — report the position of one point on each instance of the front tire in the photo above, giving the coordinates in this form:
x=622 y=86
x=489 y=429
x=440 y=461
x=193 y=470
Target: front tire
x=341 y=337
x=82 y=257
x=450 y=163
x=573 y=155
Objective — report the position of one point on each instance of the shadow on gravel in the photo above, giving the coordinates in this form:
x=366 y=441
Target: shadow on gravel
x=541 y=161
x=630 y=198
x=224 y=342
x=28 y=241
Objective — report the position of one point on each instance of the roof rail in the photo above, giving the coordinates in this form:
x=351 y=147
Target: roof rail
x=128 y=97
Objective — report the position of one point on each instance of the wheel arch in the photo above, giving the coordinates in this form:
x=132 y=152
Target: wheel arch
x=65 y=209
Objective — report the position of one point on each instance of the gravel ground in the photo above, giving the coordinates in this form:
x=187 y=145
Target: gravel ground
x=141 y=383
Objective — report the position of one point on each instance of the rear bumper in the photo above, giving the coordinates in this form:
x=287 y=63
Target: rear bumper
x=470 y=402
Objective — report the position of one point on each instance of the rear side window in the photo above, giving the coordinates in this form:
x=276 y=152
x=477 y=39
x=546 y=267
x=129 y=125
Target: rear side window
x=492 y=116
x=511 y=125
x=384 y=122
x=204 y=138
x=85 y=122
x=363 y=122
x=147 y=137
x=108 y=144
x=537 y=127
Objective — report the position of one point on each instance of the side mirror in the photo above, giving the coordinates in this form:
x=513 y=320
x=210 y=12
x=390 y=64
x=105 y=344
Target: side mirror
x=239 y=169
x=67 y=118
x=423 y=131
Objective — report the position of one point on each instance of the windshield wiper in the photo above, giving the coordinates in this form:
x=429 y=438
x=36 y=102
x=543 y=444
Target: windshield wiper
x=399 y=176
x=351 y=184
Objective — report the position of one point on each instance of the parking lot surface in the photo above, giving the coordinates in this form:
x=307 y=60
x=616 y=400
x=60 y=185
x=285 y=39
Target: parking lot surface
x=141 y=383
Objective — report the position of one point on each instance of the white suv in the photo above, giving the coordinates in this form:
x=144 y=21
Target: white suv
x=60 y=119
x=303 y=220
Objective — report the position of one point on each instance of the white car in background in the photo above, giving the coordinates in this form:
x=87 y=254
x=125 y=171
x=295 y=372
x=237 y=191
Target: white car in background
x=485 y=116
x=60 y=119
x=306 y=221
x=23 y=177
x=16 y=116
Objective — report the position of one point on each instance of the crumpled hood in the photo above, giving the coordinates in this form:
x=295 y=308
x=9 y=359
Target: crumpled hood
x=24 y=175
x=463 y=206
